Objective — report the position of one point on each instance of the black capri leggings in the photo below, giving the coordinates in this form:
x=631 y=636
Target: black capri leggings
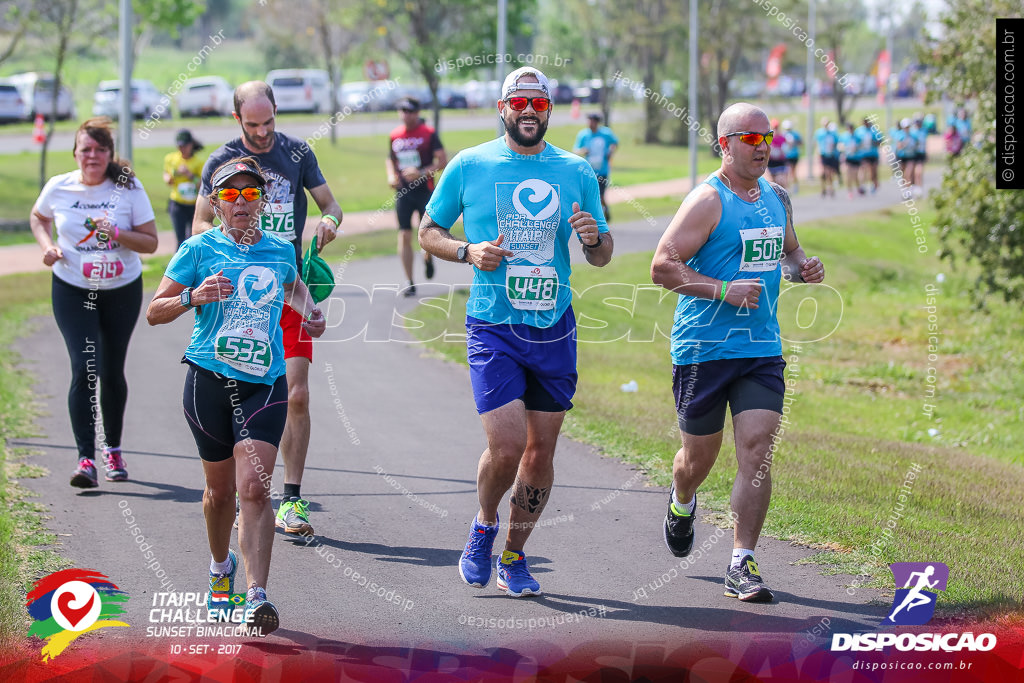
x=223 y=412
x=97 y=325
x=181 y=219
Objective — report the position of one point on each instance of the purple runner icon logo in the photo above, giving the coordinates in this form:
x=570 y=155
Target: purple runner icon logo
x=917 y=584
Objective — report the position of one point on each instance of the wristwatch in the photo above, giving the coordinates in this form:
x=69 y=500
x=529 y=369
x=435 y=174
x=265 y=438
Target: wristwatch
x=596 y=244
x=463 y=253
x=186 y=297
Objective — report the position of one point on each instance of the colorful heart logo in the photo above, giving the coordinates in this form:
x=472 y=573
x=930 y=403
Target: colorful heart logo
x=74 y=615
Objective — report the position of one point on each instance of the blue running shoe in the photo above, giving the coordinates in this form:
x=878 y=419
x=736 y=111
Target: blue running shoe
x=218 y=600
x=475 y=563
x=514 y=577
x=260 y=613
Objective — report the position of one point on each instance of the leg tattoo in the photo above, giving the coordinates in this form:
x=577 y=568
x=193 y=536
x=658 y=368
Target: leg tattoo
x=529 y=498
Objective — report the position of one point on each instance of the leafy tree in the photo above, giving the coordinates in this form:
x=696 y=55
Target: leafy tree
x=426 y=33
x=14 y=24
x=977 y=222
x=836 y=20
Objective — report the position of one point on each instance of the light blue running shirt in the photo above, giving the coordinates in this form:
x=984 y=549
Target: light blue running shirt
x=597 y=145
x=746 y=244
x=528 y=199
x=239 y=337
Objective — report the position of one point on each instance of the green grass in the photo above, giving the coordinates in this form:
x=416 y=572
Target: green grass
x=857 y=420
x=354 y=170
x=22 y=520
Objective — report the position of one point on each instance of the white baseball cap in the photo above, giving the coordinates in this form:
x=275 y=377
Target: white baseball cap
x=511 y=83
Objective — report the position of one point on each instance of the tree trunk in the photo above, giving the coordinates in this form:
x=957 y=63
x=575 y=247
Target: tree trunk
x=65 y=24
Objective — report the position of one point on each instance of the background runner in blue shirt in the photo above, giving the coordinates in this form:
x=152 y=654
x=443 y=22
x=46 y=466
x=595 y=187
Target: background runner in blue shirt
x=597 y=144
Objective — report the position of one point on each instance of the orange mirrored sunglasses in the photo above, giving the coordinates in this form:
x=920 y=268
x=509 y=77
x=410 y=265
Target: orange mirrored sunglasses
x=753 y=138
x=230 y=194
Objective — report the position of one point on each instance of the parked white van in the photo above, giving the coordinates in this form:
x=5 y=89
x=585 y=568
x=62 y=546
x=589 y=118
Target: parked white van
x=307 y=90
x=36 y=91
x=206 y=95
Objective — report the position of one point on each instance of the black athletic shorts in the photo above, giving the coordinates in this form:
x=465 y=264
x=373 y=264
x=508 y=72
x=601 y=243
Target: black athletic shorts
x=223 y=412
x=703 y=389
x=409 y=201
x=602 y=183
x=830 y=162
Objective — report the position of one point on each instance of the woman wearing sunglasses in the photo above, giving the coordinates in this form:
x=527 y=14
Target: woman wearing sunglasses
x=238 y=279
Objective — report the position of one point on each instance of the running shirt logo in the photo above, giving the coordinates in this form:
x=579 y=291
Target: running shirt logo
x=257 y=279
x=914 y=603
x=243 y=341
x=540 y=191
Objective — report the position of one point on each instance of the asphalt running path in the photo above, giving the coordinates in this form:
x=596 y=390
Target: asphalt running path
x=391 y=477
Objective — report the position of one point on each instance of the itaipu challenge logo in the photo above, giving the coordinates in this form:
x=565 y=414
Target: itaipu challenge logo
x=70 y=603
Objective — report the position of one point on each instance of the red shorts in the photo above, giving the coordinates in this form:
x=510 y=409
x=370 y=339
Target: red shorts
x=297 y=342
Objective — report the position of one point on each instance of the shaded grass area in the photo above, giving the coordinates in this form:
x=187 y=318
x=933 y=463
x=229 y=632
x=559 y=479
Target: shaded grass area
x=862 y=412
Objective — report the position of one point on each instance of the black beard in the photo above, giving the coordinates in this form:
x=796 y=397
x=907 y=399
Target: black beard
x=517 y=137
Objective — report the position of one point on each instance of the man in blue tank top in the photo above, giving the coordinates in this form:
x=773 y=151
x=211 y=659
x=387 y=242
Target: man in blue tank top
x=522 y=202
x=725 y=253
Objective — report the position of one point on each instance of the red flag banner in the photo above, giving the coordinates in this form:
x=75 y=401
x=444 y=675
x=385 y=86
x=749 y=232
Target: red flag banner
x=884 y=68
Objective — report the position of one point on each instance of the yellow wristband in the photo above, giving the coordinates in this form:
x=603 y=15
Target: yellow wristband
x=332 y=219
x=725 y=283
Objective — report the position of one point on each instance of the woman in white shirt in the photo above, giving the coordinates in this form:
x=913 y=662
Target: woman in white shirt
x=103 y=220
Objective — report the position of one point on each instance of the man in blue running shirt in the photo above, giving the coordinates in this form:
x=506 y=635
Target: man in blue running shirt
x=522 y=202
x=725 y=252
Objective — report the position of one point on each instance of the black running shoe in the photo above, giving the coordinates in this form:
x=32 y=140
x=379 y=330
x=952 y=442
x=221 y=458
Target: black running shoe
x=429 y=263
x=745 y=582
x=410 y=291
x=679 y=529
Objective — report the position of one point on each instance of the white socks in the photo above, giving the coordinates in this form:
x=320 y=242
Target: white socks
x=220 y=567
x=738 y=554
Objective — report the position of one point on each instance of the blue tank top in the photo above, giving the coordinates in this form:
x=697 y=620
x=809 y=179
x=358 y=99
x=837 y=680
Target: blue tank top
x=746 y=244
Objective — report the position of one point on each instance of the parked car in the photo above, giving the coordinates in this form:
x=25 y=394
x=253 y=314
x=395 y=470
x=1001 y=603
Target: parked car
x=451 y=98
x=561 y=93
x=307 y=90
x=422 y=95
x=207 y=95
x=12 y=106
x=482 y=93
x=589 y=91
x=36 y=90
x=145 y=99
x=369 y=95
